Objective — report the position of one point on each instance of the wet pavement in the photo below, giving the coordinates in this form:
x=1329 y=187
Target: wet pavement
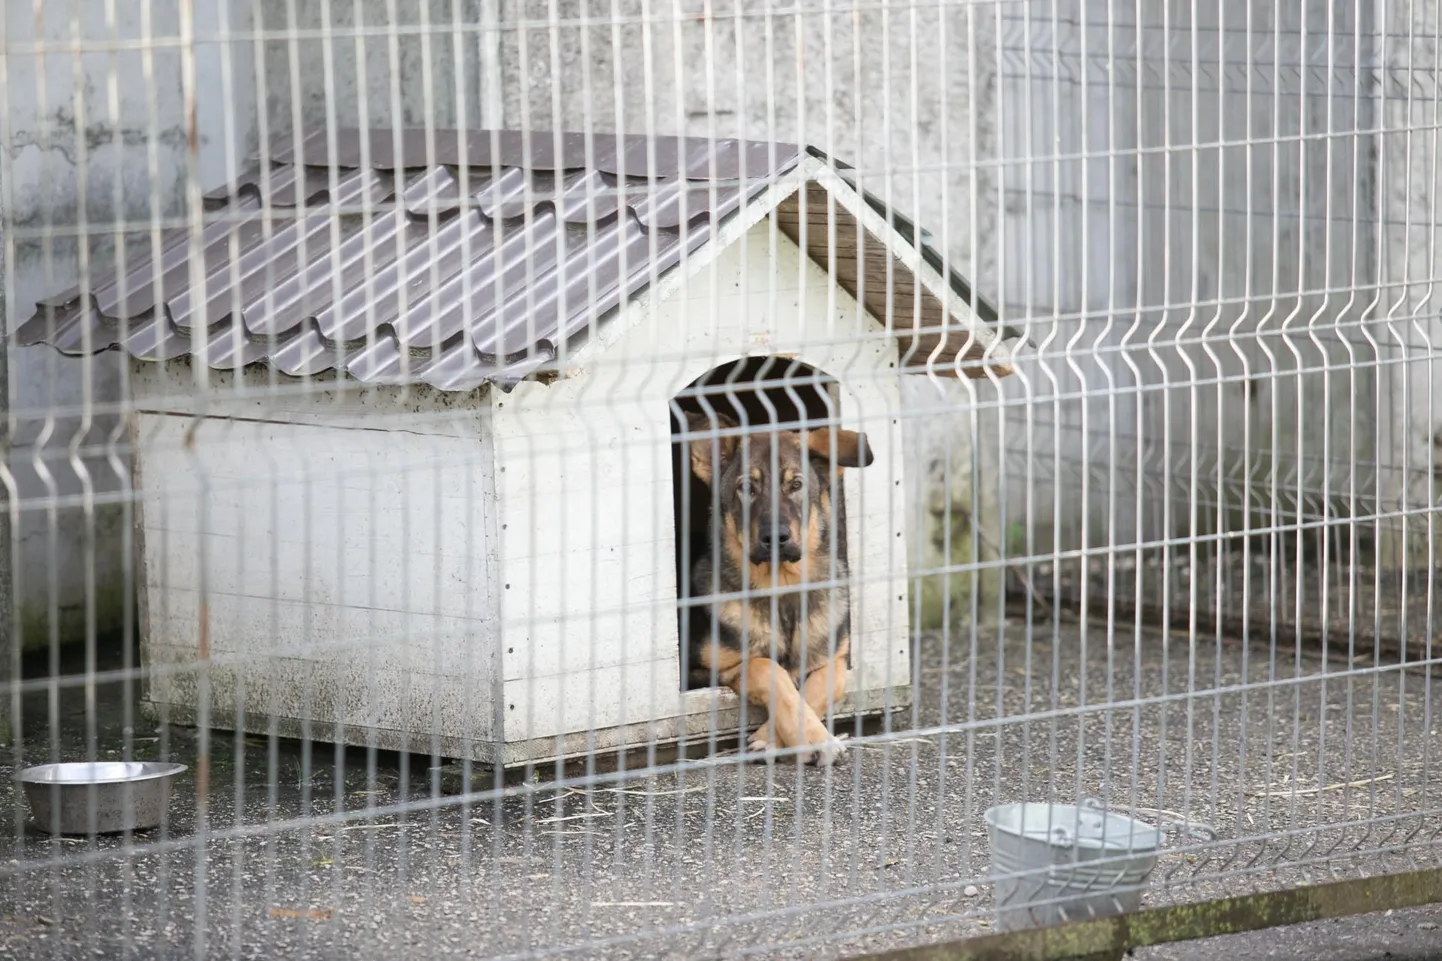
x=306 y=852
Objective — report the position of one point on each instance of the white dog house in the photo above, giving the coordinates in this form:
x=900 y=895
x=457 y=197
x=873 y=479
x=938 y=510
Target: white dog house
x=403 y=415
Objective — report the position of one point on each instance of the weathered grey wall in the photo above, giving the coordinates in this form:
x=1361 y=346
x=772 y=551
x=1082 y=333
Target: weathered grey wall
x=1410 y=308
x=1226 y=192
x=95 y=149
x=386 y=63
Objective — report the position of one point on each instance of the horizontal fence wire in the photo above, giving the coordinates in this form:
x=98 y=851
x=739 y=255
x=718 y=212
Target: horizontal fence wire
x=719 y=479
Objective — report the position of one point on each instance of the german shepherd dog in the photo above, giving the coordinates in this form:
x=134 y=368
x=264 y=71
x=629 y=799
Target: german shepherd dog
x=769 y=635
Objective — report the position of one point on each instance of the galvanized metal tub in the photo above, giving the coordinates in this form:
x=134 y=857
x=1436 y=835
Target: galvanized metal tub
x=1060 y=862
x=124 y=795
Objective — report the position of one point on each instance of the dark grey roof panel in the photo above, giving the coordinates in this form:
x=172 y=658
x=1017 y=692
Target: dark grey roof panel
x=480 y=258
x=422 y=272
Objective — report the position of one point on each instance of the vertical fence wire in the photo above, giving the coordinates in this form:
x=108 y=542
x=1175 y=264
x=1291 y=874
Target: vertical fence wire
x=529 y=464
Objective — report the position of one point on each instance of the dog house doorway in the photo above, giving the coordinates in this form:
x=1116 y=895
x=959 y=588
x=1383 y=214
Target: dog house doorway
x=768 y=392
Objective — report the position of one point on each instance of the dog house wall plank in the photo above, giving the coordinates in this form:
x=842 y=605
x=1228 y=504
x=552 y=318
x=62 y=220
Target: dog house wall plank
x=580 y=519
x=580 y=529
x=256 y=393
x=344 y=564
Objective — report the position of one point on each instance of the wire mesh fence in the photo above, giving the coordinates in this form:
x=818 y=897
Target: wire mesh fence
x=667 y=480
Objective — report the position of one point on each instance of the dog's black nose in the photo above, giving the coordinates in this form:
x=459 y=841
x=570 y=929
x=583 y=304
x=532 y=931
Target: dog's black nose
x=774 y=535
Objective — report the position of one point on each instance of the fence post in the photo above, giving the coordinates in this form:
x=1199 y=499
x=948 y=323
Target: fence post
x=9 y=643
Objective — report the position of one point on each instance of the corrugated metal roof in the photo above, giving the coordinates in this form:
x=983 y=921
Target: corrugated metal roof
x=443 y=257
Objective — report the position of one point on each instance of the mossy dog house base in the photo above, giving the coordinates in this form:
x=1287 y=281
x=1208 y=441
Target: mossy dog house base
x=353 y=525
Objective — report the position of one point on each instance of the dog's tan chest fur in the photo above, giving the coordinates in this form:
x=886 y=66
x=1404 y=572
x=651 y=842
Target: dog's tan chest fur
x=800 y=641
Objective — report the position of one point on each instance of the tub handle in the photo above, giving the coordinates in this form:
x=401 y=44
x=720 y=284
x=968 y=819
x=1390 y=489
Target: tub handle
x=1193 y=829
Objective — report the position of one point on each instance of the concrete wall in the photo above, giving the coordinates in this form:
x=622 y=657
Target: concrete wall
x=1410 y=308
x=95 y=149
x=1201 y=278
x=373 y=63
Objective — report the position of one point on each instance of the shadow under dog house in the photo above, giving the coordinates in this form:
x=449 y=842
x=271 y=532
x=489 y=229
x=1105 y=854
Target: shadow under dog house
x=402 y=417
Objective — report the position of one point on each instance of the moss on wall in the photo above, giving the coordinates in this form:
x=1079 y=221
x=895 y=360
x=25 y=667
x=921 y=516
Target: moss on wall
x=937 y=590
x=944 y=600
x=37 y=619
x=62 y=616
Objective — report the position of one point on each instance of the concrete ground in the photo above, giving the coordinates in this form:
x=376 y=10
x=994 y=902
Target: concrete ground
x=305 y=857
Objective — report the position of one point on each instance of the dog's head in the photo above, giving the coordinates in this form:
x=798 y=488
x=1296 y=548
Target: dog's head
x=772 y=488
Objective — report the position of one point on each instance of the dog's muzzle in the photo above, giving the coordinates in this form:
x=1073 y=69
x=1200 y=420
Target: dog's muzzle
x=775 y=541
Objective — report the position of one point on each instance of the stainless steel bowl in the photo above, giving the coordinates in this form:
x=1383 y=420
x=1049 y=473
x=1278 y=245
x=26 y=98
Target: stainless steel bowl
x=125 y=795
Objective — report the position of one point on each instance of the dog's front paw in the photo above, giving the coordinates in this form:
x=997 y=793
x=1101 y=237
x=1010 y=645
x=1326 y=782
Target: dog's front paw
x=763 y=741
x=823 y=752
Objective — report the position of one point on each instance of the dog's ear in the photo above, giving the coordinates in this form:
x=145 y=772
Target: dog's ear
x=851 y=448
x=705 y=447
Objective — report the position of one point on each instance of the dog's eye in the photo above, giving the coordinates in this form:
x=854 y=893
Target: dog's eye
x=795 y=485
